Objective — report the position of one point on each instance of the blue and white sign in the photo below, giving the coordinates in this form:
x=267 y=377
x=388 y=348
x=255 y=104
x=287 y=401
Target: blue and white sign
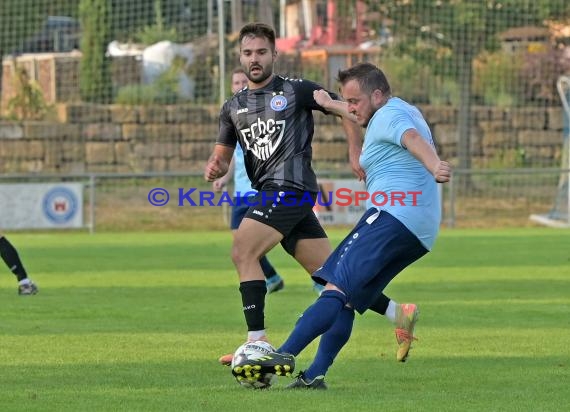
x=41 y=206
x=60 y=205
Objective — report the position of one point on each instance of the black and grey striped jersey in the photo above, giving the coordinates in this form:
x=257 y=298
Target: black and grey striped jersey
x=274 y=125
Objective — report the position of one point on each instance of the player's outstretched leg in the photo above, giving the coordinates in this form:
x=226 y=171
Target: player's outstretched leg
x=406 y=317
x=280 y=364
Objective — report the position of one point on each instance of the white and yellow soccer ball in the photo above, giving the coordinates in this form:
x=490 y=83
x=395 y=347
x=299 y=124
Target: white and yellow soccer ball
x=254 y=350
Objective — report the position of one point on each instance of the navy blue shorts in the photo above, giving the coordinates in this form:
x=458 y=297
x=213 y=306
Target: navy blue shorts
x=378 y=248
x=238 y=211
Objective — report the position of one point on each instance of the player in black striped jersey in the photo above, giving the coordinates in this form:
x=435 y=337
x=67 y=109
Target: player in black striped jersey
x=272 y=121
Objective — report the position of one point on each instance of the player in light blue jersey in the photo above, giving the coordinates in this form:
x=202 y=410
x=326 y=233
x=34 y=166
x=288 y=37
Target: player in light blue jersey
x=396 y=181
x=402 y=171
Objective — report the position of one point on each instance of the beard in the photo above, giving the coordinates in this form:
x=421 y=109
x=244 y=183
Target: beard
x=260 y=76
x=363 y=122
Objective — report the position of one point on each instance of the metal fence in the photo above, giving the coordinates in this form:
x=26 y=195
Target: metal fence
x=123 y=202
x=504 y=198
x=485 y=74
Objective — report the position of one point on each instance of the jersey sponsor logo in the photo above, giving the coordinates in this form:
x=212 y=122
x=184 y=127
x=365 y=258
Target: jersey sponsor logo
x=278 y=103
x=257 y=212
x=263 y=137
x=242 y=110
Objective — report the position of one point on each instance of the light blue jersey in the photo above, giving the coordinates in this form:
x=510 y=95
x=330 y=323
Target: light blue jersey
x=242 y=184
x=397 y=182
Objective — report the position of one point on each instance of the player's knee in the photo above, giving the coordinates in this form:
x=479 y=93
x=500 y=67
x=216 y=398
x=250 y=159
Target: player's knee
x=242 y=252
x=236 y=254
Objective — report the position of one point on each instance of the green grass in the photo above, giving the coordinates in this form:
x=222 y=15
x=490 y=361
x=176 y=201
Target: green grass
x=135 y=322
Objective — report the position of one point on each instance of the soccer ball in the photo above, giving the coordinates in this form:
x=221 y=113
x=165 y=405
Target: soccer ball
x=254 y=350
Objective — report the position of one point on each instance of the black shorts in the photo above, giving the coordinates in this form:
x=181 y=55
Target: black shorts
x=290 y=213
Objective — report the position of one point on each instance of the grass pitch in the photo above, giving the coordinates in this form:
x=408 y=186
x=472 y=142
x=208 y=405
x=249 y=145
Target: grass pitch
x=136 y=322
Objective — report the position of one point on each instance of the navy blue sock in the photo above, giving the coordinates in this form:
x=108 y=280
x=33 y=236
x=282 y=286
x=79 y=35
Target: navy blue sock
x=315 y=321
x=268 y=269
x=331 y=343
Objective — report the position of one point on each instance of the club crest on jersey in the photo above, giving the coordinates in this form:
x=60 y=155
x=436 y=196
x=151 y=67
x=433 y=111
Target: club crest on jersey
x=278 y=103
x=263 y=137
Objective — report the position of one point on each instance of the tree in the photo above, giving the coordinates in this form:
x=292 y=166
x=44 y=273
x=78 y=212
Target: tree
x=449 y=34
x=95 y=74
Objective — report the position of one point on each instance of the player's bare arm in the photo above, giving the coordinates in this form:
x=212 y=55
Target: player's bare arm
x=336 y=107
x=426 y=154
x=218 y=163
x=354 y=139
x=351 y=128
x=223 y=181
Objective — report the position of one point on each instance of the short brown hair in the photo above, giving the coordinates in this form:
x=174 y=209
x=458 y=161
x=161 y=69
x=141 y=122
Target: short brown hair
x=238 y=70
x=368 y=76
x=258 y=30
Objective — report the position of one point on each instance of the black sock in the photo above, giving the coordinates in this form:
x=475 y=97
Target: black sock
x=253 y=299
x=11 y=258
x=380 y=304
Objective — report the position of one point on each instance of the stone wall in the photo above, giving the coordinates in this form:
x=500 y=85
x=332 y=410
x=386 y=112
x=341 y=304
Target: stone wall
x=95 y=138
x=502 y=137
